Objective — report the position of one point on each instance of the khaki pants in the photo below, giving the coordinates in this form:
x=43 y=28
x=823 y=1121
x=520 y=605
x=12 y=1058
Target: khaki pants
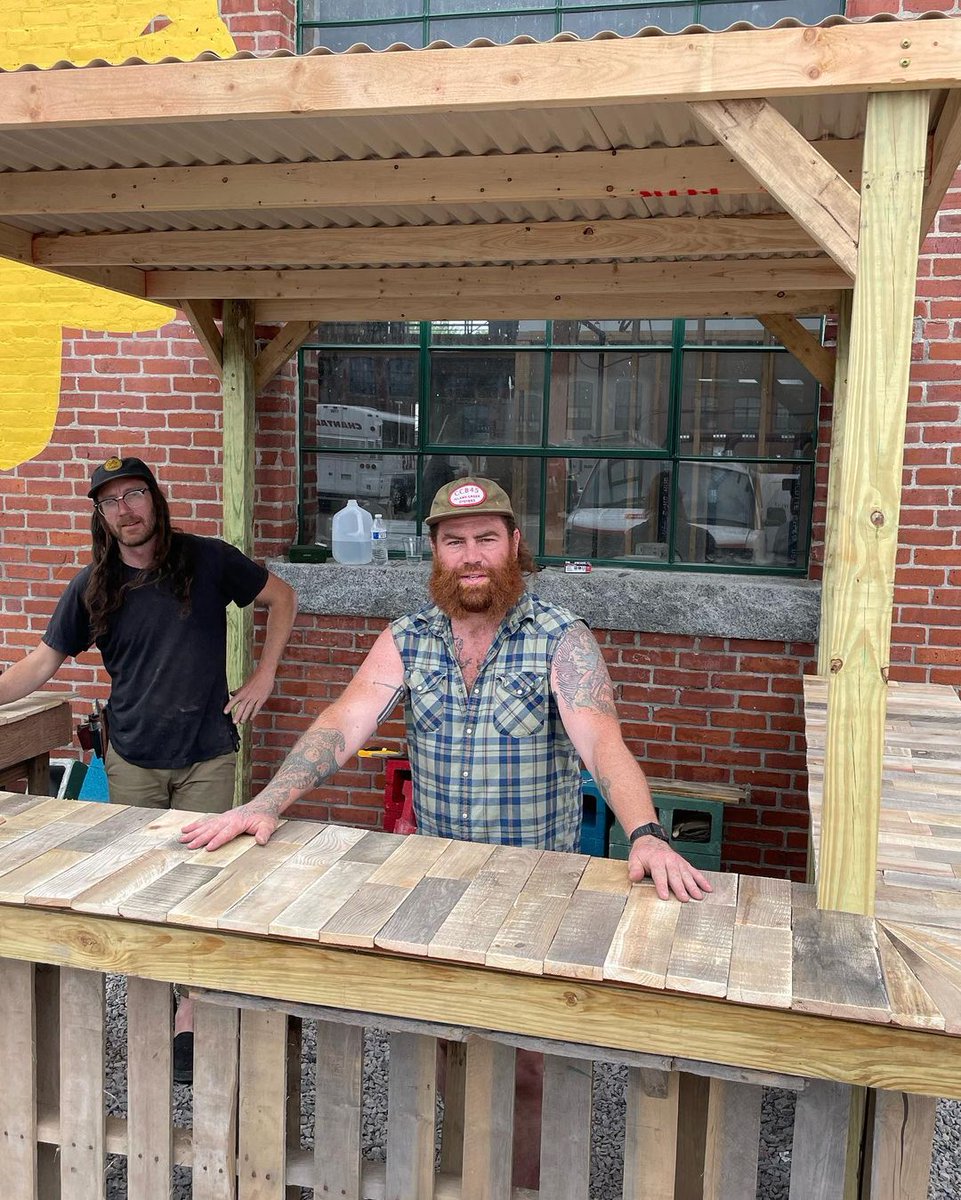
x=205 y=787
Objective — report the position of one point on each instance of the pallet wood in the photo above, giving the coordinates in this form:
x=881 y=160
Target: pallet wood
x=488 y=1120
x=731 y=1150
x=466 y=935
x=411 y=1095
x=565 y=1128
x=836 y=966
x=18 y=1096
x=454 y=1095
x=82 y=1057
x=641 y=949
x=651 y=1131
x=821 y=1123
x=338 y=1110
x=149 y=1085
x=216 y=1076
x=262 y=1148
x=899 y=1155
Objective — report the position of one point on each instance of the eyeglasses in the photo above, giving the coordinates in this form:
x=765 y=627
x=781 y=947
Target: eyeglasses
x=134 y=498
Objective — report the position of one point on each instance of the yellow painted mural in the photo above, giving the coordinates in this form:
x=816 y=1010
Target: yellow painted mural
x=36 y=307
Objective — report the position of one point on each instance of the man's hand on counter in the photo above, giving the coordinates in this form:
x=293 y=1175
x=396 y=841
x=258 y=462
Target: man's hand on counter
x=669 y=872
x=220 y=828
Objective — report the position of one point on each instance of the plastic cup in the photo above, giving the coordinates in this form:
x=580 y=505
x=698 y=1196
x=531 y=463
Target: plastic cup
x=412 y=548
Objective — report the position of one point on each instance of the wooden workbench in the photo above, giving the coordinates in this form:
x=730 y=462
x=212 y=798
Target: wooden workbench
x=29 y=729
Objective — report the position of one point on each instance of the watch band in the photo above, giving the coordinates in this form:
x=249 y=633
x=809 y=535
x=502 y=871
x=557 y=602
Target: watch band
x=652 y=828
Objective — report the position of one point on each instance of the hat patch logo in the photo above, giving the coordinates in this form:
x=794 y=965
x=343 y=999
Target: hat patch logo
x=467 y=496
x=112 y=464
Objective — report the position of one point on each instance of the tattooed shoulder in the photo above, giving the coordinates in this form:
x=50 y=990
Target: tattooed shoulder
x=581 y=676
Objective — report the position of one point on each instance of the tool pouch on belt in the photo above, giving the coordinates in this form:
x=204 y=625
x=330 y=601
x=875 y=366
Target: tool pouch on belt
x=92 y=733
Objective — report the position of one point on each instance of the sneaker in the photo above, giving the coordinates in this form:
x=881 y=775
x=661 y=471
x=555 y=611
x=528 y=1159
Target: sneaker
x=184 y=1058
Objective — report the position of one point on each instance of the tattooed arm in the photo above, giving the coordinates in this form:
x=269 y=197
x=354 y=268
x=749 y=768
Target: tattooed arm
x=585 y=700
x=336 y=736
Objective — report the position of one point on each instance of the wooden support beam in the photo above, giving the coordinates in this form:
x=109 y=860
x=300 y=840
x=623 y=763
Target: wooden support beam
x=590 y=74
x=16 y=244
x=733 y=1130
x=18 y=1096
x=406 y=245
x=791 y=169
x=580 y=175
x=900 y=1144
x=819 y=360
x=479 y=283
x=277 y=351
x=488 y=1120
x=821 y=1122
x=549 y=304
x=200 y=314
x=945 y=157
x=149 y=1083
x=238 y=487
x=859 y=582
x=82 y=1060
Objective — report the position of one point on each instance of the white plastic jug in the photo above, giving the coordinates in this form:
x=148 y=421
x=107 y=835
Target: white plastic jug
x=350 y=534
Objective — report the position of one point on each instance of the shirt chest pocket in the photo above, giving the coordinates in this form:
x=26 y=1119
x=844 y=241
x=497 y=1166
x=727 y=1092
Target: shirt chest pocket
x=520 y=703
x=428 y=696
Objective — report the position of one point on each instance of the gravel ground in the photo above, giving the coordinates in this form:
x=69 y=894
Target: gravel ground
x=777 y=1120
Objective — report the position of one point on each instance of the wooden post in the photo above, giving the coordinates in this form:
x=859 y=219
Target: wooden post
x=239 y=396
x=898 y=1161
x=859 y=581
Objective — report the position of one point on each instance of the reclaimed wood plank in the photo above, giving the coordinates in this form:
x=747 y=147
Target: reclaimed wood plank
x=606 y=875
x=821 y=1122
x=364 y=914
x=650 y=1138
x=761 y=966
x=733 y=1132
x=468 y=932
x=461 y=860
x=412 y=857
x=18 y=1096
x=338 y=1110
x=305 y=916
x=701 y=954
x=23 y=850
x=421 y=914
x=216 y=1075
x=454 y=1093
x=911 y=1005
x=580 y=946
x=411 y=1108
x=149 y=1088
x=566 y=1128
x=901 y=1144
x=262 y=1147
x=153 y=902
x=641 y=949
x=523 y=940
x=488 y=1120
x=82 y=1059
x=257 y=910
x=373 y=847
x=762 y=901
x=47 y=1049
x=836 y=968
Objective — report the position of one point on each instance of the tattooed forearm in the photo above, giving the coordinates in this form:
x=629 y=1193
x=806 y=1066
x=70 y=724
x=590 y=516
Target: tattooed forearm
x=311 y=761
x=582 y=678
x=389 y=706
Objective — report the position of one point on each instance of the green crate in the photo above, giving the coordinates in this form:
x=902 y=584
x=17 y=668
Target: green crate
x=673 y=812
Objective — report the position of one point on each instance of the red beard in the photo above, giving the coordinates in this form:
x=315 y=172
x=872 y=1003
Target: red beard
x=503 y=588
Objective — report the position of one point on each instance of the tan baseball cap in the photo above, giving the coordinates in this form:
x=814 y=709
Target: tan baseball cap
x=467 y=497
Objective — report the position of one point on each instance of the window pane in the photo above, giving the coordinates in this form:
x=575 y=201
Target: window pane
x=381 y=483
x=747 y=404
x=355 y=400
x=737 y=331
x=373 y=333
x=608 y=508
x=765 y=13
x=737 y=514
x=616 y=399
x=634 y=331
x=460 y=31
x=378 y=37
x=484 y=398
x=473 y=6
x=519 y=477
x=479 y=332
x=669 y=17
x=360 y=10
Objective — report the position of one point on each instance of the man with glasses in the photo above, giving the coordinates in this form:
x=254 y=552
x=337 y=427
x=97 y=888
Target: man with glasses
x=154 y=602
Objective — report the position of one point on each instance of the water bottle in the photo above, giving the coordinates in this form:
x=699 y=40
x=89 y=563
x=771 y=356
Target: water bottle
x=378 y=541
x=350 y=534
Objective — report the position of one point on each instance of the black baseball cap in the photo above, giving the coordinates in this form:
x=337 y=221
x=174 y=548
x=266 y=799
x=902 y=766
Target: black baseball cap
x=120 y=468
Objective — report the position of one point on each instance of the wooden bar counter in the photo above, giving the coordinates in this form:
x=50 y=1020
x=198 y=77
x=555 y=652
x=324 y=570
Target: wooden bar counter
x=491 y=946
x=29 y=730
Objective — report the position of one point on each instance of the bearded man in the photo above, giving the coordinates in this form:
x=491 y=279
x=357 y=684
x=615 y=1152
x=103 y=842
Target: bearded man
x=503 y=693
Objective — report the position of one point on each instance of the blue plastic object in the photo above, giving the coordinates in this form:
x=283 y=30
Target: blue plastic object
x=95 y=786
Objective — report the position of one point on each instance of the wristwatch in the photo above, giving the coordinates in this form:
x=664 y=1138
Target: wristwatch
x=652 y=828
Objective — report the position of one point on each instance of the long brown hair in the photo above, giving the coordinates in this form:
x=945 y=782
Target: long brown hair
x=107 y=587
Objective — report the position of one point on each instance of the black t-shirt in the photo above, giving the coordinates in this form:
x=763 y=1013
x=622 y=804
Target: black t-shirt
x=168 y=671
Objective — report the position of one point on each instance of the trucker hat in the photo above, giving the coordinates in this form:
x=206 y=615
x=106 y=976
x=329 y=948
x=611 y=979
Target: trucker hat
x=467 y=497
x=119 y=468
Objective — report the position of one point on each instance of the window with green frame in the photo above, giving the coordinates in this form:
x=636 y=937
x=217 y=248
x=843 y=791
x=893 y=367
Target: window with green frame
x=380 y=23
x=687 y=444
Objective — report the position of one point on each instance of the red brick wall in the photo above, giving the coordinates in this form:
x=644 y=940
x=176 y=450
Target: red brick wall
x=700 y=709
